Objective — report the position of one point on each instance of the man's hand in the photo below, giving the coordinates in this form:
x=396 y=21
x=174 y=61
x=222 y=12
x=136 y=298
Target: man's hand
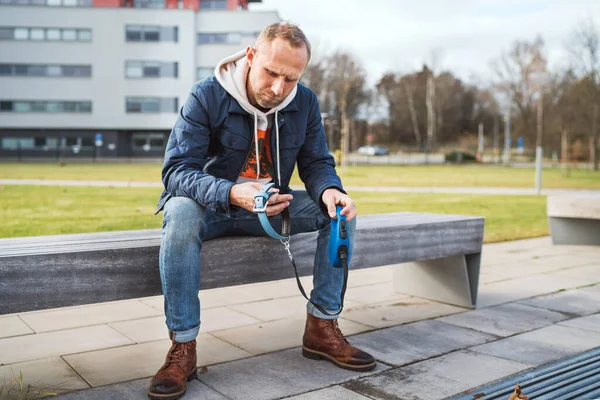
x=242 y=195
x=332 y=197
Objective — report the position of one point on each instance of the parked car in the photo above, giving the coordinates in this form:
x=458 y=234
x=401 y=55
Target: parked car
x=373 y=151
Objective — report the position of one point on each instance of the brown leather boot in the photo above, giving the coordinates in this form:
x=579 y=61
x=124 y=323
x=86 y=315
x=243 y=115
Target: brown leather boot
x=324 y=340
x=179 y=368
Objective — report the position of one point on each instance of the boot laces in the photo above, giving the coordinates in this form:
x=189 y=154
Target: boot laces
x=335 y=329
x=176 y=353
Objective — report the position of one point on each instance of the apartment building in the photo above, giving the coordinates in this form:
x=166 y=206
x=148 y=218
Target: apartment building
x=106 y=78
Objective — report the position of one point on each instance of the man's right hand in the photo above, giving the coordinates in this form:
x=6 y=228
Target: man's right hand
x=242 y=195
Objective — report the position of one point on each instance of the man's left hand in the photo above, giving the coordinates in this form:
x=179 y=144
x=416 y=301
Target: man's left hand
x=332 y=197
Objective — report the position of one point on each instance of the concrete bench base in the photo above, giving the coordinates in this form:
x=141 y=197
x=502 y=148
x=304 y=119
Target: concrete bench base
x=65 y=270
x=452 y=280
x=574 y=219
x=575 y=231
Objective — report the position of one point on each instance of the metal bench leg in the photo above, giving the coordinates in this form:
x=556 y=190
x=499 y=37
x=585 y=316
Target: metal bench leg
x=577 y=231
x=451 y=280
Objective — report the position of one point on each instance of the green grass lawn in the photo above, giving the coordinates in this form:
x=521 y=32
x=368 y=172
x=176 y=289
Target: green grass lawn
x=49 y=210
x=416 y=176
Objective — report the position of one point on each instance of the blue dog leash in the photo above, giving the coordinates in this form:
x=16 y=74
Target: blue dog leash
x=339 y=240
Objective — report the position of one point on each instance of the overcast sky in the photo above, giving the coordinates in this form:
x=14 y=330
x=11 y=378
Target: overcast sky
x=401 y=35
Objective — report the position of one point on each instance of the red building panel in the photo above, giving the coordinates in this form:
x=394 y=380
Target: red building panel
x=191 y=4
x=108 y=3
x=234 y=4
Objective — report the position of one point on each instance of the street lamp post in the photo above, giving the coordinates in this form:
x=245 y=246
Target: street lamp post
x=539 y=153
x=507 y=137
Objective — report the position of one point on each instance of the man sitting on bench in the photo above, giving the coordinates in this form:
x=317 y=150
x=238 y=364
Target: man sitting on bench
x=238 y=130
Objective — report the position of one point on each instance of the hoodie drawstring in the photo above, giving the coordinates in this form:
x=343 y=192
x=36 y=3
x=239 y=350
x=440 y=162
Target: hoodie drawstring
x=256 y=145
x=276 y=123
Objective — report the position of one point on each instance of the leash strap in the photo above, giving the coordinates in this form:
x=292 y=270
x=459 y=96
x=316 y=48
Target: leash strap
x=344 y=265
x=261 y=200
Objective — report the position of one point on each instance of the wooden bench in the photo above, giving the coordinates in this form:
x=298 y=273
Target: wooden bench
x=442 y=255
x=574 y=219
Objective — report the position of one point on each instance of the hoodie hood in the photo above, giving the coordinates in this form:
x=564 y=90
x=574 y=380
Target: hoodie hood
x=232 y=73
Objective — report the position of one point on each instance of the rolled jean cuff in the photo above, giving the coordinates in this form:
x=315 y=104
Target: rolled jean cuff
x=314 y=311
x=185 y=336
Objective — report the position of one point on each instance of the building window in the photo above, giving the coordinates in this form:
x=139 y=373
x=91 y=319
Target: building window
x=204 y=72
x=151 y=69
x=151 y=33
x=6 y=69
x=84 y=35
x=213 y=4
x=50 y=3
x=45 y=106
x=37 y=34
x=149 y=3
x=21 y=34
x=13 y=143
x=80 y=71
x=69 y=35
x=145 y=141
x=6 y=106
x=151 y=105
x=48 y=34
x=53 y=34
x=219 y=38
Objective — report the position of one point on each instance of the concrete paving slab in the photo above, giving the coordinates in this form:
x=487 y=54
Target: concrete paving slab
x=577 y=301
x=58 y=319
x=268 y=290
x=32 y=347
x=591 y=322
x=542 y=345
x=436 y=378
x=370 y=276
x=485 y=277
x=270 y=310
x=143 y=330
x=377 y=293
x=589 y=273
x=49 y=375
x=562 y=261
x=215 y=319
x=272 y=336
x=12 y=325
x=417 y=341
x=542 y=265
x=506 y=319
x=136 y=390
x=108 y=366
x=521 y=288
x=383 y=315
x=276 y=375
x=143 y=360
x=330 y=393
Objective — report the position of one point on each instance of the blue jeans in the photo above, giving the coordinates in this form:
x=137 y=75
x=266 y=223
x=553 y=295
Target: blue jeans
x=186 y=225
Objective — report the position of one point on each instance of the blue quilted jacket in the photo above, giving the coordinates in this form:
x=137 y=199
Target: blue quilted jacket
x=211 y=138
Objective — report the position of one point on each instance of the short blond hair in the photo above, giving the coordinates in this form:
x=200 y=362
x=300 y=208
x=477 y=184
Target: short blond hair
x=289 y=32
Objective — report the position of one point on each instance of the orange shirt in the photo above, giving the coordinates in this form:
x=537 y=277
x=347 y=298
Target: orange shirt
x=249 y=171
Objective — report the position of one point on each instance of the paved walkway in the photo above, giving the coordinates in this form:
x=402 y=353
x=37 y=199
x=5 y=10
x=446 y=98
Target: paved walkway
x=537 y=303
x=468 y=190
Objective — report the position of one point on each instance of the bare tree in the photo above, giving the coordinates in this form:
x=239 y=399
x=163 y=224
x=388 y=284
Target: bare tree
x=518 y=78
x=585 y=51
x=408 y=87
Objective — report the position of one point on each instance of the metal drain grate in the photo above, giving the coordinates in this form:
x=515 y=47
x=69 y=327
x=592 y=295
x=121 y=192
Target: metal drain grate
x=576 y=378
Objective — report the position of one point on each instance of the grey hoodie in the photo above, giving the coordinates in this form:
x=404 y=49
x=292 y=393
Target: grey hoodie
x=232 y=72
